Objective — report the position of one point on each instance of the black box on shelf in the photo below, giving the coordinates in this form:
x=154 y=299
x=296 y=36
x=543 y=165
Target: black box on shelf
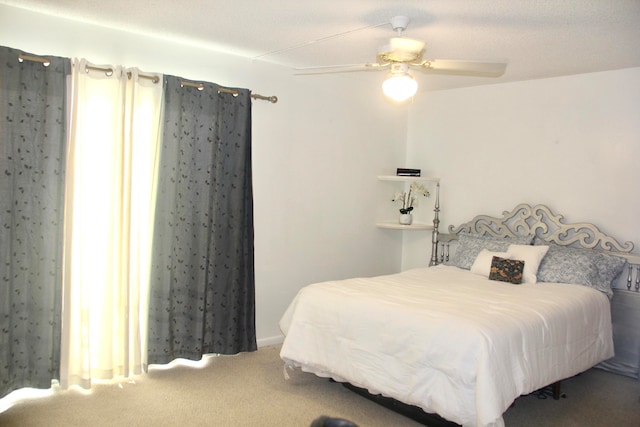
x=407 y=172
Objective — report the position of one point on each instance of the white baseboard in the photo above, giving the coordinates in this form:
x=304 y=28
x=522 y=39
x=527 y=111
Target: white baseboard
x=264 y=342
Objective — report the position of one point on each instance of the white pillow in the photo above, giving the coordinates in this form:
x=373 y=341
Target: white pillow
x=482 y=264
x=531 y=255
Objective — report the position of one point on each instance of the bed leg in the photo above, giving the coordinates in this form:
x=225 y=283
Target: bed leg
x=555 y=387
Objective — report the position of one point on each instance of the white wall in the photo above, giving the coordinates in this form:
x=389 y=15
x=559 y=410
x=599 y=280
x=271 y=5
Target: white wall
x=572 y=143
x=316 y=153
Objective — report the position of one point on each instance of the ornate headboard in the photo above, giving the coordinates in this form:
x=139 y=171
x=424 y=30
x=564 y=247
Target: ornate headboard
x=540 y=221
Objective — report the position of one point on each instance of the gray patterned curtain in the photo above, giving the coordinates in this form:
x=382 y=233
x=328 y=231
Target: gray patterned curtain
x=202 y=297
x=32 y=168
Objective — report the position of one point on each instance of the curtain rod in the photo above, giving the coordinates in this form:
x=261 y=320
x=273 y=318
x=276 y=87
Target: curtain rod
x=200 y=86
x=41 y=59
x=155 y=79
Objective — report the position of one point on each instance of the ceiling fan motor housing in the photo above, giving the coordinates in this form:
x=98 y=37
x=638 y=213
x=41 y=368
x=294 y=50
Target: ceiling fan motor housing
x=399 y=68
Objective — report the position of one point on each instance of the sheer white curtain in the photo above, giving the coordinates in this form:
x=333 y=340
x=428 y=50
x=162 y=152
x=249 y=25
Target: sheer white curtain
x=110 y=188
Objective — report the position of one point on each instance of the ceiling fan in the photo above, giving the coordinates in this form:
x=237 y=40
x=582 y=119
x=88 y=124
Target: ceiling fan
x=403 y=54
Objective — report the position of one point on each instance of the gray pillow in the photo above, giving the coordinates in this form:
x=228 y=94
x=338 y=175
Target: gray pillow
x=579 y=266
x=610 y=267
x=470 y=245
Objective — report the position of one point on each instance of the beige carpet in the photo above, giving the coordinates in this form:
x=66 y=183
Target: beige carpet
x=250 y=390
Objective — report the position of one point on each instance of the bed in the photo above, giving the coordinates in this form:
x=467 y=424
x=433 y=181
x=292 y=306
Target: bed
x=522 y=303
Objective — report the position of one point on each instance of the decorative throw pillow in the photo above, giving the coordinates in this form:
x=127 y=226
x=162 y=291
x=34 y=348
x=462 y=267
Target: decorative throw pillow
x=568 y=265
x=507 y=270
x=470 y=245
x=609 y=266
x=482 y=264
x=532 y=256
x=579 y=266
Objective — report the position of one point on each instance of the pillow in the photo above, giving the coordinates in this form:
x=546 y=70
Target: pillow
x=532 y=256
x=568 y=265
x=579 y=266
x=506 y=270
x=609 y=266
x=482 y=264
x=470 y=245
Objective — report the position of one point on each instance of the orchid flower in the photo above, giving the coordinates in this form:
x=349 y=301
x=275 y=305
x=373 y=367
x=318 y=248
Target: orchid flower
x=410 y=199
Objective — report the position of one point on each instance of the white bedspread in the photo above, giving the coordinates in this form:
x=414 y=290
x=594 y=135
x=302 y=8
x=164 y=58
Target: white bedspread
x=447 y=340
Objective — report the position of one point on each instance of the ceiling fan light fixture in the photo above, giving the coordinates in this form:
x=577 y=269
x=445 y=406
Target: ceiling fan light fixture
x=400 y=87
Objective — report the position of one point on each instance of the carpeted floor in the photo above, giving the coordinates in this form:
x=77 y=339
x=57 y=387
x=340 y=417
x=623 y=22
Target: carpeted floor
x=251 y=390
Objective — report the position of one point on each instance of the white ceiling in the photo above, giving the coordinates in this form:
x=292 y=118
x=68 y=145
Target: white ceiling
x=537 y=38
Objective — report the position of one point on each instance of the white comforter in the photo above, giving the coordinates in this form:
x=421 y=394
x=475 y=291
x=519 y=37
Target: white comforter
x=447 y=340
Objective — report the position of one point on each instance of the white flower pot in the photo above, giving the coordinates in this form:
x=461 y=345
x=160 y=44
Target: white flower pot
x=406 y=219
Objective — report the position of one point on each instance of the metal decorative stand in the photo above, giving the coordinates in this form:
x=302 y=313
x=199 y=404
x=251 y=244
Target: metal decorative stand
x=436 y=224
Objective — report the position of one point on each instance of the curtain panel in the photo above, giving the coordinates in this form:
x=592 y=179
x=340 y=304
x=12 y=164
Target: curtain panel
x=112 y=154
x=32 y=178
x=202 y=278
x=126 y=239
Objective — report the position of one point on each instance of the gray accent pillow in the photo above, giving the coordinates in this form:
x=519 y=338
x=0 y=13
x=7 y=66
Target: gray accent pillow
x=610 y=267
x=470 y=245
x=578 y=266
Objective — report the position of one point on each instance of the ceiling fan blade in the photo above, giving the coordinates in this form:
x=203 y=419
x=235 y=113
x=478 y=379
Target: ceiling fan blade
x=464 y=68
x=346 y=68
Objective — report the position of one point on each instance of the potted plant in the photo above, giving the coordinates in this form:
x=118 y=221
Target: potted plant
x=409 y=200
